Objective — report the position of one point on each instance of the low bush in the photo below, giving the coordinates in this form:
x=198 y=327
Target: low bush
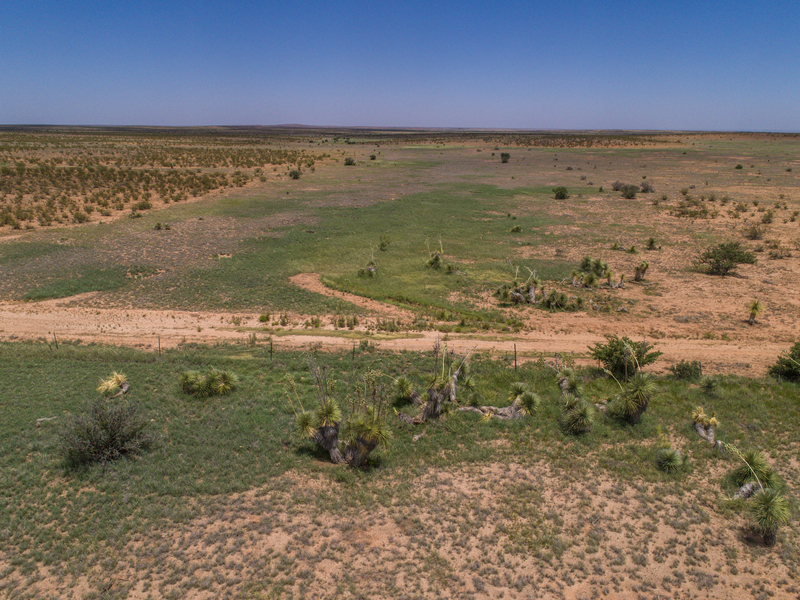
x=623 y=357
x=106 y=432
x=560 y=193
x=687 y=371
x=725 y=257
x=788 y=365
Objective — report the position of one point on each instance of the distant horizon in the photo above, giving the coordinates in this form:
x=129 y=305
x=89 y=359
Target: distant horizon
x=397 y=128
x=576 y=65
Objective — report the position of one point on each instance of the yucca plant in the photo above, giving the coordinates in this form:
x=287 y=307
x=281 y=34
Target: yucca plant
x=755 y=308
x=635 y=398
x=669 y=460
x=755 y=469
x=578 y=419
x=116 y=384
x=213 y=383
x=769 y=511
x=641 y=270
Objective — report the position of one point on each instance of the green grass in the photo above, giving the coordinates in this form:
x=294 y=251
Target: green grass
x=217 y=452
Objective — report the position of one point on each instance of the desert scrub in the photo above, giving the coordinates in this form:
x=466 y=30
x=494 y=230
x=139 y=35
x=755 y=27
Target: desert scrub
x=788 y=365
x=622 y=356
x=723 y=258
x=107 y=431
x=687 y=370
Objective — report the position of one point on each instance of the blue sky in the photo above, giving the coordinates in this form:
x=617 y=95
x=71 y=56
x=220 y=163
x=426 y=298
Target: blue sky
x=529 y=65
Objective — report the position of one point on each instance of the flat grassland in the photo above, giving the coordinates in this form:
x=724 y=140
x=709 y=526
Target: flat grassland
x=259 y=242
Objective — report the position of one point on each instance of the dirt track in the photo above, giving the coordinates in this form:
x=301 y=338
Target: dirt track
x=71 y=319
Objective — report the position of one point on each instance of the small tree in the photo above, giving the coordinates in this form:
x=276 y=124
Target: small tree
x=504 y=156
x=724 y=258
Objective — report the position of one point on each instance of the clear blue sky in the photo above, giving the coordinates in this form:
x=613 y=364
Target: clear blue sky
x=705 y=65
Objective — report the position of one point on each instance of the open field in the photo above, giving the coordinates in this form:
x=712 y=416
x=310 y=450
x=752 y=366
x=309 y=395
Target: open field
x=242 y=248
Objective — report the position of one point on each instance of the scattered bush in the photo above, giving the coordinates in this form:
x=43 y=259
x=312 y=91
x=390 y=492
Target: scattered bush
x=646 y=187
x=106 y=432
x=504 y=156
x=629 y=191
x=560 y=193
x=623 y=357
x=788 y=365
x=349 y=161
x=755 y=232
x=294 y=174
x=687 y=371
x=725 y=257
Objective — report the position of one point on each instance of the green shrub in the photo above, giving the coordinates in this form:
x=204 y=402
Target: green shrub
x=623 y=357
x=349 y=161
x=504 y=156
x=725 y=257
x=788 y=365
x=107 y=431
x=687 y=371
x=294 y=174
x=629 y=191
x=561 y=193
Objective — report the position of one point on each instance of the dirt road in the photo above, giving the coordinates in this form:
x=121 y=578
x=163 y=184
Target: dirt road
x=73 y=319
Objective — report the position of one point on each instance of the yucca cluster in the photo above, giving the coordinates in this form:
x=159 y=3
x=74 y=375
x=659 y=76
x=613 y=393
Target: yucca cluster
x=212 y=383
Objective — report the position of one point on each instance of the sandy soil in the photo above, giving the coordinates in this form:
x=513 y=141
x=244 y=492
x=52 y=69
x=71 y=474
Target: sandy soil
x=747 y=351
